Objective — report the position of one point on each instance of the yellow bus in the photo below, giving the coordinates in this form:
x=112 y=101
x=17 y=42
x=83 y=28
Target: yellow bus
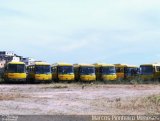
x=84 y=72
x=39 y=72
x=15 y=71
x=125 y=71
x=150 y=72
x=62 y=72
x=105 y=72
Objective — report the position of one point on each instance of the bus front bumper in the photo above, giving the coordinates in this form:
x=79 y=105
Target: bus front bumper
x=88 y=78
x=146 y=77
x=15 y=80
x=66 y=77
x=109 y=77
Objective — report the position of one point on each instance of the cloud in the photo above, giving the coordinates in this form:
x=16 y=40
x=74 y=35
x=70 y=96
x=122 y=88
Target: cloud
x=72 y=46
x=110 y=31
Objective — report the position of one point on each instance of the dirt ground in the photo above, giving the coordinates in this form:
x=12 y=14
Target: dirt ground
x=77 y=99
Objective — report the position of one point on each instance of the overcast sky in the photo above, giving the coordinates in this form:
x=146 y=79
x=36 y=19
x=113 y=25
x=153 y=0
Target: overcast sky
x=88 y=31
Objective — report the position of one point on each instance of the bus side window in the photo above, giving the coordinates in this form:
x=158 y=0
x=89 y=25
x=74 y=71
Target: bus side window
x=53 y=69
x=33 y=69
x=122 y=70
x=100 y=70
x=29 y=69
x=76 y=70
x=117 y=70
x=134 y=71
x=26 y=69
x=56 y=69
x=138 y=70
x=125 y=70
x=5 y=69
x=158 y=68
x=97 y=70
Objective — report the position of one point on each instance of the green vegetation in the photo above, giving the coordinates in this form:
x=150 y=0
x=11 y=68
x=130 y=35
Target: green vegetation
x=149 y=104
x=135 y=81
x=55 y=86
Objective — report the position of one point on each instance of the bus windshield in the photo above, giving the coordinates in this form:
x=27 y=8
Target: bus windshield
x=87 y=70
x=42 y=69
x=16 y=68
x=108 y=70
x=131 y=71
x=146 y=69
x=65 y=70
x=119 y=69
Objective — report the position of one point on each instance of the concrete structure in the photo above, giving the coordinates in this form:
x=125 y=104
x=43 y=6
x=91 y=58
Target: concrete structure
x=28 y=61
x=2 y=63
x=9 y=56
x=6 y=53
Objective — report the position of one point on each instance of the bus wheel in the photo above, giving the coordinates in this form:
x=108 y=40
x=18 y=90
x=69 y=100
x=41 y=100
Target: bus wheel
x=32 y=81
x=69 y=82
x=56 y=80
x=48 y=82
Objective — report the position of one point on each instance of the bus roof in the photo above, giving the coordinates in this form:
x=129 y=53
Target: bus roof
x=62 y=64
x=41 y=63
x=102 y=64
x=154 y=64
x=15 y=62
x=125 y=65
x=85 y=65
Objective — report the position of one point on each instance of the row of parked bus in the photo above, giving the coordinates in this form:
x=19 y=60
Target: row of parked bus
x=44 y=72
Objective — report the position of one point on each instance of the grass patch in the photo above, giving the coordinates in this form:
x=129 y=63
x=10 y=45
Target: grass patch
x=154 y=99
x=147 y=105
x=11 y=96
x=55 y=86
x=134 y=81
x=150 y=105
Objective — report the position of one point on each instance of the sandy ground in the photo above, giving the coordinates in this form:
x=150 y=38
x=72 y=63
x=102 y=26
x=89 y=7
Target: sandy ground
x=73 y=99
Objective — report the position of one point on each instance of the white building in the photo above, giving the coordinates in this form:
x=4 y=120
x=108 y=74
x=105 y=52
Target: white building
x=8 y=56
x=2 y=64
x=17 y=59
x=6 y=53
x=28 y=61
